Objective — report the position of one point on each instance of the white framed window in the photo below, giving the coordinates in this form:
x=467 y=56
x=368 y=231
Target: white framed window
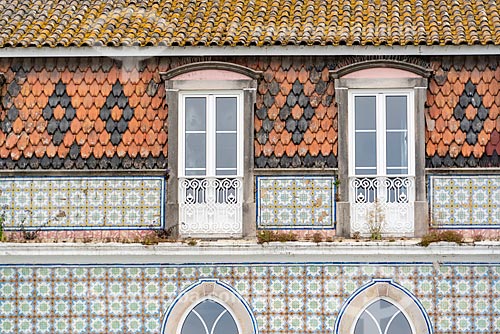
x=382 y=156
x=210 y=112
x=382 y=129
x=210 y=128
x=211 y=163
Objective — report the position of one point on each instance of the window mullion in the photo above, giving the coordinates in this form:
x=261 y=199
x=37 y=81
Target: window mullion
x=211 y=150
x=182 y=137
x=381 y=135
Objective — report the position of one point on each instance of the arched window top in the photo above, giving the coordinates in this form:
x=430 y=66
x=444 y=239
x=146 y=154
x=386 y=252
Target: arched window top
x=209 y=317
x=370 y=69
x=382 y=317
x=209 y=307
x=207 y=71
x=386 y=305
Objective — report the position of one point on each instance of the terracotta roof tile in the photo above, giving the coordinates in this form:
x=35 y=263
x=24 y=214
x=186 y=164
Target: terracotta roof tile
x=98 y=151
x=162 y=138
x=454 y=150
x=104 y=138
x=144 y=150
x=62 y=151
x=291 y=149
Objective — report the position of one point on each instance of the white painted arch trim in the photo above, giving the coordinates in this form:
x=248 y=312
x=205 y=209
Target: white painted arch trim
x=217 y=291
x=299 y=50
x=387 y=289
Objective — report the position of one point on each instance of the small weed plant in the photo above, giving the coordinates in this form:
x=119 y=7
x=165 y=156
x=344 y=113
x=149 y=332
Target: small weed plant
x=376 y=219
x=317 y=237
x=437 y=236
x=270 y=236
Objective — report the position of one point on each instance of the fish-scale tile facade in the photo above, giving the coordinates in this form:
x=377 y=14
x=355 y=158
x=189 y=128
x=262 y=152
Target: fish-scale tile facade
x=296 y=117
x=100 y=113
x=55 y=23
x=79 y=114
x=462 y=121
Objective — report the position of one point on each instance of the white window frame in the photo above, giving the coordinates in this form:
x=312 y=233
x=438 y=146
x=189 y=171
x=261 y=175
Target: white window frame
x=210 y=132
x=381 y=130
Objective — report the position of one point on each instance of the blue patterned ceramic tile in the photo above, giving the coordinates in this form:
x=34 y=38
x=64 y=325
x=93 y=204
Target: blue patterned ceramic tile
x=52 y=203
x=461 y=201
x=302 y=298
x=295 y=202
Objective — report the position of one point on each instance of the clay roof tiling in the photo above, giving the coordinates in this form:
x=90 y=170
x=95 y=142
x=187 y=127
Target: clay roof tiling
x=64 y=23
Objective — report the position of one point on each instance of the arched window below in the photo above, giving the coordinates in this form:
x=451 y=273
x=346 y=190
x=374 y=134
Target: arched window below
x=382 y=317
x=382 y=307
x=209 y=317
x=209 y=306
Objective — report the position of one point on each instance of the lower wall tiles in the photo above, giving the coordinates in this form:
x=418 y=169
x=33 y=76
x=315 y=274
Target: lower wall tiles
x=295 y=202
x=85 y=203
x=464 y=201
x=284 y=298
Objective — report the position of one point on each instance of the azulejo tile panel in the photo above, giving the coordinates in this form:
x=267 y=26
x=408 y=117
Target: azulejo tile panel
x=89 y=202
x=284 y=298
x=465 y=201
x=295 y=202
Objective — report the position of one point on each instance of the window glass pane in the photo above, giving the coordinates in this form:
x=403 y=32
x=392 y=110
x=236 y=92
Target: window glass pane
x=229 y=172
x=397 y=171
x=226 y=114
x=397 y=149
x=382 y=311
x=192 y=325
x=382 y=317
x=364 y=112
x=194 y=172
x=195 y=150
x=399 y=325
x=226 y=325
x=396 y=115
x=195 y=113
x=226 y=150
x=209 y=311
x=365 y=325
x=366 y=149
x=366 y=171
x=209 y=317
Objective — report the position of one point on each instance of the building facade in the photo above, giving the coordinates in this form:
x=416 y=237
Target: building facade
x=249 y=167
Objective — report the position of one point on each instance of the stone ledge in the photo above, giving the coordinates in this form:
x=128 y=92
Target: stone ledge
x=244 y=252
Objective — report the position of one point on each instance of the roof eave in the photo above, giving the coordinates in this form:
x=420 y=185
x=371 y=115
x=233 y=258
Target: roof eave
x=299 y=50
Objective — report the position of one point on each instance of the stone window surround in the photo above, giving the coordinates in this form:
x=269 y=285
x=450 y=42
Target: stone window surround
x=382 y=289
x=345 y=78
x=216 y=291
x=238 y=78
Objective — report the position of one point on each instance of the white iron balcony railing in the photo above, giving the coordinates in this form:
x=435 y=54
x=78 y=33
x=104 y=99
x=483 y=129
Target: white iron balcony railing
x=382 y=202
x=210 y=207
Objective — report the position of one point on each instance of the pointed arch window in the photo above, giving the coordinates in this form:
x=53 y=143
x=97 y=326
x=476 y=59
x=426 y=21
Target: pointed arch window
x=382 y=307
x=209 y=307
x=382 y=317
x=209 y=317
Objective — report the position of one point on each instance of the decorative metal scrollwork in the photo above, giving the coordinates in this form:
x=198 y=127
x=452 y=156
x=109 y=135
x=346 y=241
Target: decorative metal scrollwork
x=210 y=206
x=388 y=197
